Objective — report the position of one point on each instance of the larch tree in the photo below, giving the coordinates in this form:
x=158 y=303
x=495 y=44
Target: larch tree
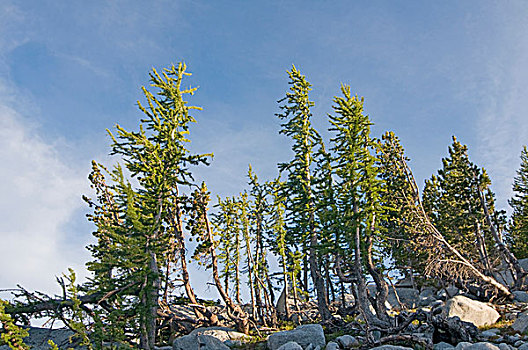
x=139 y=227
x=299 y=185
x=358 y=198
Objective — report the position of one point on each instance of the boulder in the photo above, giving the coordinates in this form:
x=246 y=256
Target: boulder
x=482 y=346
x=391 y=347
x=38 y=338
x=521 y=323
x=221 y=333
x=443 y=346
x=520 y=296
x=291 y=345
x=303 y=335
x=347 y=341
x=198 y=342
x=462 y=345
x=468 y=310
x=332 y=346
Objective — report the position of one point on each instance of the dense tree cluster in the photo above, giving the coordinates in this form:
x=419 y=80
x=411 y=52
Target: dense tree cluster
x=337 y=219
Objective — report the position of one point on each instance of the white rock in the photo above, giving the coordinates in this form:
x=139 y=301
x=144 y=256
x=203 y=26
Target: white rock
x=221 y=333
x=476 y=312
x=482 y=346
x=198 y=342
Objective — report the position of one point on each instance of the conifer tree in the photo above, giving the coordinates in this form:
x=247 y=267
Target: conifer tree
x=359 y=191
x=138 y=227
x=452 y=198
x=299 y=186
x=401 y=239
x=518 y=226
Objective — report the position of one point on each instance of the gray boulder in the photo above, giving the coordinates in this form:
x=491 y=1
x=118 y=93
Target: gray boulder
x=391 y=347
x=221 y=333
x=462 y=345
x=332 y=346
x=198 y=342
x=523 y=346
x=303 y=335
x=291 y=345
x=443 y=346
x=347 y=341
x=521 y=323
x=468 y=310
x=482 y=346
x=520 y=296
x=38 y=338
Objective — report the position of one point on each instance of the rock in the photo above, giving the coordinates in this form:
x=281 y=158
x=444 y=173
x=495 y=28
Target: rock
x=521 y=323
x=504 y=346
x=482 y=346
x=312 y=347
x=476 y=312
x=519 y=344
x=303 y=335
x=520 y=296
x=198 y=342
x=391 y=347
x=291 y=345
x=523 y=346
x=38 y=338
x=462 y=345
x=221 y=333
x=443 y=346
x=347 y=341
x=487 y=334
x=452 y=291
x=332 y=346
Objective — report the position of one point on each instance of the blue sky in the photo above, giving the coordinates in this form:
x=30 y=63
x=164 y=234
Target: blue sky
x=70 y=69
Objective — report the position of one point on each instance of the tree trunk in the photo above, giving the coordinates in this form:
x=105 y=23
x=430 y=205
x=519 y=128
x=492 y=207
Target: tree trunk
x=242 y=319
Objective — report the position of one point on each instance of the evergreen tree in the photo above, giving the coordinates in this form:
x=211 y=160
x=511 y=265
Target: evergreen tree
x=518 y=226
x=138 y=227
x=358 y=197
x=299 y=185
x=452 y=199
x=400 y=237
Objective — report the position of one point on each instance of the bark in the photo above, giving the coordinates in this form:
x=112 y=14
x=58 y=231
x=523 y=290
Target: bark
x=382 y=289
x=241 y=318
x=189 y=291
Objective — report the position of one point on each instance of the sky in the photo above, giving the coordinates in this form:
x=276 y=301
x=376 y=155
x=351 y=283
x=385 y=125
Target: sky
x=71 y=69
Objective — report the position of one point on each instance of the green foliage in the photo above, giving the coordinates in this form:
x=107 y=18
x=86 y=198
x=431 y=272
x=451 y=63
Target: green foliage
x=358 y=186
x=398 y=200
x=518 y=226
x=451 y=199
x=137 y=225
x=11 y=335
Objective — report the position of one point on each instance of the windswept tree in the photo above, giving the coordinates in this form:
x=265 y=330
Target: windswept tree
x=139 y=226
x=358 y=196
x=298 y=188
x=518 y=227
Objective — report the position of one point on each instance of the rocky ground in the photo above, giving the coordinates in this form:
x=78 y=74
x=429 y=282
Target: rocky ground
x=485 y=326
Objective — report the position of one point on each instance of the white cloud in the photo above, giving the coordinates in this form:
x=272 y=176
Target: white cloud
x=40 y=195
